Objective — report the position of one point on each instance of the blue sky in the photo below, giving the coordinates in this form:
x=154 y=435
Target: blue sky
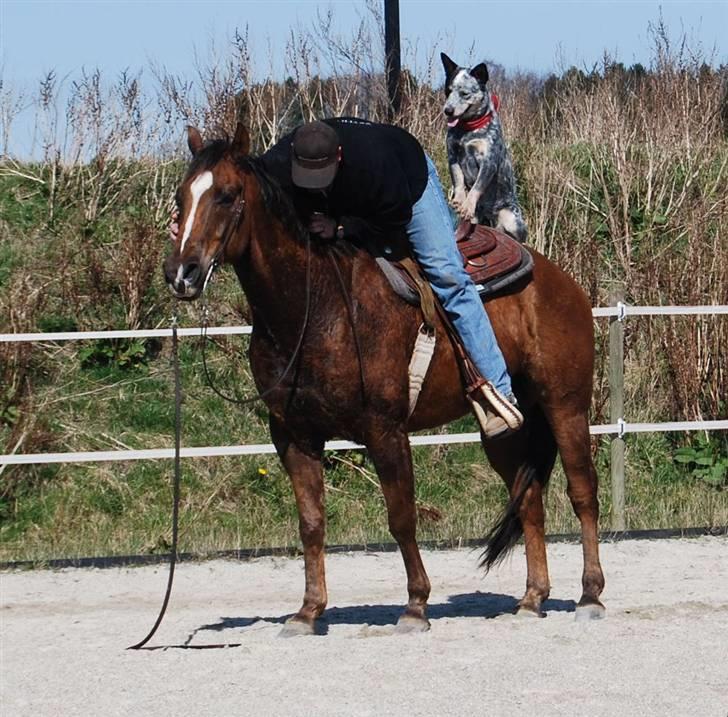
x=113 y=35
x=37 y=35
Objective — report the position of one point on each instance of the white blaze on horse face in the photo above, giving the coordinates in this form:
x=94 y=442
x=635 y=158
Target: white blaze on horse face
x=197 y=189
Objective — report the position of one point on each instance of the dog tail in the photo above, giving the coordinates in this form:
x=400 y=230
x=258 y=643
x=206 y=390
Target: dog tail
x=508 y=529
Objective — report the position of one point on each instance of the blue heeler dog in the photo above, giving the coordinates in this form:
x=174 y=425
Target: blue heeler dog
x=484 y=188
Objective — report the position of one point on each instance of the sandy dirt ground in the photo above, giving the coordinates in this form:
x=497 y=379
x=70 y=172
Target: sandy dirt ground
x=662 y=650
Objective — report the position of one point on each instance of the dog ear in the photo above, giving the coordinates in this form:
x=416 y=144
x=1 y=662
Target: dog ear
x=480 y=73
x=449 y=65
x=241 y=141
x=194 y=140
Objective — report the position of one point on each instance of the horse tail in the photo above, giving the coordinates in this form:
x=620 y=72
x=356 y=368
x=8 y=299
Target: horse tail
x=508 y=529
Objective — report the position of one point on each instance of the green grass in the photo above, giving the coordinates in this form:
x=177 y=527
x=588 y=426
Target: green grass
x=23 y=204
x=230 y=503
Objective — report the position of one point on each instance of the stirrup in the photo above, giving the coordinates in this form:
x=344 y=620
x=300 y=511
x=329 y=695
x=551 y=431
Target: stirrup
x=496 y=415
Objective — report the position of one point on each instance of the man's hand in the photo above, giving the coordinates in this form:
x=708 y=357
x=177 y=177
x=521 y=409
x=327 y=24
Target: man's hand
x=174 y=225
x=322 y=225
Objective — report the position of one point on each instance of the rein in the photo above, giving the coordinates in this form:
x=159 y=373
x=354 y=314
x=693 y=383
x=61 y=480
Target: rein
x=232 y=227
x=296 y=351
x=350 y=311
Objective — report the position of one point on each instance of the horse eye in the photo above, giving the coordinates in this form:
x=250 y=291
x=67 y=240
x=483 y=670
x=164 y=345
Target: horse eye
x=225 y=199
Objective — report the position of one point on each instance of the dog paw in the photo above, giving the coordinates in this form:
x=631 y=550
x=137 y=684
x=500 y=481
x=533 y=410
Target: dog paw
x=467 y=212
x=469 y=206
x=458 y=199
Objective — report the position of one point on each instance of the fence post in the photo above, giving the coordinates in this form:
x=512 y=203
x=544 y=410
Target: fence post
x=616 y=405
x=393 y=61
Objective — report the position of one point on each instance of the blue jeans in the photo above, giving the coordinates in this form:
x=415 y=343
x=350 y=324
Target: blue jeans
x=432 y=239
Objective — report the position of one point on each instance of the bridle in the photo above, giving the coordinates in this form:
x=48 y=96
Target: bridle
x=230 y=229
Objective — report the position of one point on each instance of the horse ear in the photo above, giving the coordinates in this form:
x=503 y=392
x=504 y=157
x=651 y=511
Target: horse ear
x=449 y=65
x=194 y=140
x=241 y=141
x=480 y=73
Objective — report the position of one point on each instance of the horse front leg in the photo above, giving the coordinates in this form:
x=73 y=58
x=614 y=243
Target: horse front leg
x=390 y=452
x=302 y=460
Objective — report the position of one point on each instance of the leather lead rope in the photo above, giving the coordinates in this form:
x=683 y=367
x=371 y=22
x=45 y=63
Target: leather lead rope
x=176 y=479
x=175 y=482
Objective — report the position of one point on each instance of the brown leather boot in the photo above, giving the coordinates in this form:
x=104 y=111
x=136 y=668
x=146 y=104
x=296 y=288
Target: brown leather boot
x=497 y=414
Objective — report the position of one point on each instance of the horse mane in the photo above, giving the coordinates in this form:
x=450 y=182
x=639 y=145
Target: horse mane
x=275 y=199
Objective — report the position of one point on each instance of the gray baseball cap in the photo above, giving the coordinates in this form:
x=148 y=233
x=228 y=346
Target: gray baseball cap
x=315 y=156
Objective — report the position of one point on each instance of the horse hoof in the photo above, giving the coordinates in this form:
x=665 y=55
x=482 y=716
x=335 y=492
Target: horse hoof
x=295 y=628
x=591 y=611
x=529 y=612
x=410 y=623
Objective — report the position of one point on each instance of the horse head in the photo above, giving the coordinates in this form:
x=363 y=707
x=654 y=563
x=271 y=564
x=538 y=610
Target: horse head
x=211 y=202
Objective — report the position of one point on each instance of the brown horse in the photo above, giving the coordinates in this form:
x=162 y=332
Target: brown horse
x=353 y=384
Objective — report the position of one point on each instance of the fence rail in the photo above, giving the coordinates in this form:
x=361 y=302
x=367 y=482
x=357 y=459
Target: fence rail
x=255 y=449
x=618 y=428
x=620 y=311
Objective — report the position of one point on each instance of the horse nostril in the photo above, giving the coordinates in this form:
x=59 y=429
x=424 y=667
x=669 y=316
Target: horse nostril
x=191 y=273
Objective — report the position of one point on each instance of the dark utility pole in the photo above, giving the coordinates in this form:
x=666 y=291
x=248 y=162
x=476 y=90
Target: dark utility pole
x=392 y=51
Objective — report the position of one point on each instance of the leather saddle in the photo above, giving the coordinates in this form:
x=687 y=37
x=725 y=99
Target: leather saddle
x=494 y=260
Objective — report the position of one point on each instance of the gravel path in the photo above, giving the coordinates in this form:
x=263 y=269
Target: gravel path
x=663 y=649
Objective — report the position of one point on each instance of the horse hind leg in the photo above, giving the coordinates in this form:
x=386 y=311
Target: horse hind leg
x=302 y=461
x=572 y=437
x=390 y=452
x=524 y=461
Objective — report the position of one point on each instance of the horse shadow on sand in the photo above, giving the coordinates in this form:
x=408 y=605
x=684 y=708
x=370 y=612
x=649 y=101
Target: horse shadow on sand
x=468 y=605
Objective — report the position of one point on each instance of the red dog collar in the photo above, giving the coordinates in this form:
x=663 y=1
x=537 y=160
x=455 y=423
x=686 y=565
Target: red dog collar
x=480 y=122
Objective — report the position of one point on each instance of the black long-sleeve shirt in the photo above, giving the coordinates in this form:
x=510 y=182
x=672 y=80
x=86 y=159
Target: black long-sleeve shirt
x=382 y=174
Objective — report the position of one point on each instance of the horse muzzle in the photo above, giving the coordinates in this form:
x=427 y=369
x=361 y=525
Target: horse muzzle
x=186 y=279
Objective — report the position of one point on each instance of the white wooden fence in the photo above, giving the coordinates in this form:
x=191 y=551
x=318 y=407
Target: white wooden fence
x=618 y=427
